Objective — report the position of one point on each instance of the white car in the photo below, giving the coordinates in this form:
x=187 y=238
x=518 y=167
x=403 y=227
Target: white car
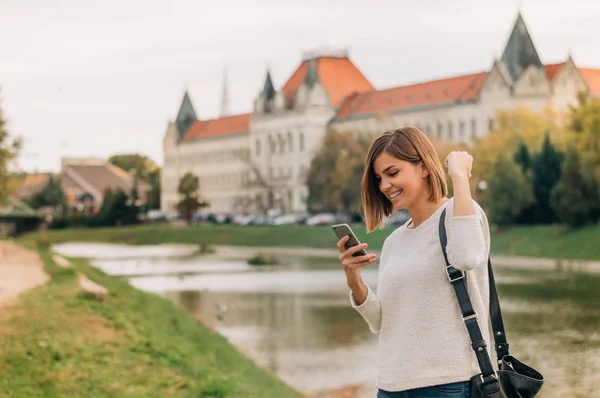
x=321 y=219
x=286 y=219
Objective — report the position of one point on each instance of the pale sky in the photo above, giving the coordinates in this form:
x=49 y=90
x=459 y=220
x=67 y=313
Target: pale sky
x=99 y=77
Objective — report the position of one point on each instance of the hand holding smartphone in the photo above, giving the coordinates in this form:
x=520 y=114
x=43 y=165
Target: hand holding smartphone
x=352 y=259
x=342 y=230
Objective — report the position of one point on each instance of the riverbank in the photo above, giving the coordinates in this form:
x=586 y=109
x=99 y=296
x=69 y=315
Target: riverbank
x=60 y=342
x=530 y=241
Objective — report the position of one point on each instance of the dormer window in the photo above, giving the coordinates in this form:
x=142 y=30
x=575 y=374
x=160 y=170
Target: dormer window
x=446 y=92
x=409 y=97
x=391 y=100
x=372 y=103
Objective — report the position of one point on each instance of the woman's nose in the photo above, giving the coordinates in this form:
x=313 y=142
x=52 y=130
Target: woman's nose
x=384 y=185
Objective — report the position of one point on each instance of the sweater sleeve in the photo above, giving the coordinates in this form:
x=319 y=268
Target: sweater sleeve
x=468 y=239
x=370 y=309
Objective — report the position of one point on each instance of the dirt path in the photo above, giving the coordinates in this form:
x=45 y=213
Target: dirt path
x=20 y=270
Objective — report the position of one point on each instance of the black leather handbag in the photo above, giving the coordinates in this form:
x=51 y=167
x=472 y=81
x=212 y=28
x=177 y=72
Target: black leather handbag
x=513 y=379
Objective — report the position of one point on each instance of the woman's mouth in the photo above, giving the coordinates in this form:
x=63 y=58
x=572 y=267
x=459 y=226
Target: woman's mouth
x=395 y=194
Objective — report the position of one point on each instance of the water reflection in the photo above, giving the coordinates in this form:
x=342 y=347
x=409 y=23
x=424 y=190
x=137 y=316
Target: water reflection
x=312 y=341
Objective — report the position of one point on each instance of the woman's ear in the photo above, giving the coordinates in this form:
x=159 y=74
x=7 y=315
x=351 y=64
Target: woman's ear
x=424 y=171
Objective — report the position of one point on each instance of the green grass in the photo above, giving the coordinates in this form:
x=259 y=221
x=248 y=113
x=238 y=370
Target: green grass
x=549 y=241
x=536 y=241
x=59 y=343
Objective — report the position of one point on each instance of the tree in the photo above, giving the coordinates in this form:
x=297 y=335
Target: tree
x=257 y=180
x=584 y=123
x=9 y=150
x=153 y=197
x=190 y=201
x=545 y=173
x=141 y=164
x=116 y=209
x=575 y=197
x=513 y=129
x=522 y=157
x=50 y=195
x=508 y=192
x=335 y=173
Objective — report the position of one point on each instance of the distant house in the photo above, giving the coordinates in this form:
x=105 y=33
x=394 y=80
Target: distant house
x=84 y=181
x=29 y=184
x=17 y=217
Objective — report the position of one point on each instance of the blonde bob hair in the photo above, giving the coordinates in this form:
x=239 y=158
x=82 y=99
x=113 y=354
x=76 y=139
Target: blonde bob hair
x=409 y=144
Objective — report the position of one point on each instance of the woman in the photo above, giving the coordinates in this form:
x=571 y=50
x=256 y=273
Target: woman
x=424 y=349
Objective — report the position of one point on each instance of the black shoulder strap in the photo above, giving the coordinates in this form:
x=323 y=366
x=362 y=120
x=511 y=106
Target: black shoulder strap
x=457 y=279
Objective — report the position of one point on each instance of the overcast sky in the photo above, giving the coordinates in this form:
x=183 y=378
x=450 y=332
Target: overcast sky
x=98 y=77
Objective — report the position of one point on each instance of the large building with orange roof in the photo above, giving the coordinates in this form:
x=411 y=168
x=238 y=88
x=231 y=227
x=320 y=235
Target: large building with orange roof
x=254 y=161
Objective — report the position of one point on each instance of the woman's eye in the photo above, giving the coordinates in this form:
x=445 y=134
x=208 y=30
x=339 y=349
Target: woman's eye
x=393 y=174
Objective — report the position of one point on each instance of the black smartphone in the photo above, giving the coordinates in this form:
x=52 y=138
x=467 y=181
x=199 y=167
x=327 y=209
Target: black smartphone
x=342 y=230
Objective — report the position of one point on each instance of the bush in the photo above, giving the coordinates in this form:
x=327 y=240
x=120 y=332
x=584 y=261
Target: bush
x=73 y=221
x=509 y=192
x=263 y=259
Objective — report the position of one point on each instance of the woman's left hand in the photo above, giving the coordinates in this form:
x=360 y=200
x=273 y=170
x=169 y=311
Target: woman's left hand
x=459 y=164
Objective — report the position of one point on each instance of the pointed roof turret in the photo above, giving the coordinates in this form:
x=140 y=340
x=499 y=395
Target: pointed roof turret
x=186 y=115
x=520 y=51
x=268 y=89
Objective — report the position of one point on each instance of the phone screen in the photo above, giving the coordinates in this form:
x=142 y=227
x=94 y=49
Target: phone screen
x=342 y=230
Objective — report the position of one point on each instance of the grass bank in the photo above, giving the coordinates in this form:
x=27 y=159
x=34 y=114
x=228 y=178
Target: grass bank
x=536 y=241
x=60 y=343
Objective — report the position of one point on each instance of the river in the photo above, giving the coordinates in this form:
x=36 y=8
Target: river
x=295 y=319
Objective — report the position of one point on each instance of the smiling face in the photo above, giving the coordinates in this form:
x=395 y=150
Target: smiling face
x=403 y=183
x=402 y=169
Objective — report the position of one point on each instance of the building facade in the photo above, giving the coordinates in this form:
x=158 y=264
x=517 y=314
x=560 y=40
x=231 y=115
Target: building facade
x=251 y=162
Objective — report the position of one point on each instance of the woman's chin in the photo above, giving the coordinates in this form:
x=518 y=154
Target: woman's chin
x=399 y=204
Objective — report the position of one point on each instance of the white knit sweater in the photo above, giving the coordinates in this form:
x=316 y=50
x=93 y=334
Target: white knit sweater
x=423 y=340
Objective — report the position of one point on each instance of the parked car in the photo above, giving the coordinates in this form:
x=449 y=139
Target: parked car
x=286 y=219
x=155 y=215
x=243 y=219
x=321 y=219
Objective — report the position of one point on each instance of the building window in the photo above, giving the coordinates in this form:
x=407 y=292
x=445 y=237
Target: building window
x=439 y=131
x=290 y=142
x=450 y=132
x=491 y=124
x=428 y=130
x=473 y=128
x=301 y=143
x=281 y=144
x=461 y=131
x=272 y=145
